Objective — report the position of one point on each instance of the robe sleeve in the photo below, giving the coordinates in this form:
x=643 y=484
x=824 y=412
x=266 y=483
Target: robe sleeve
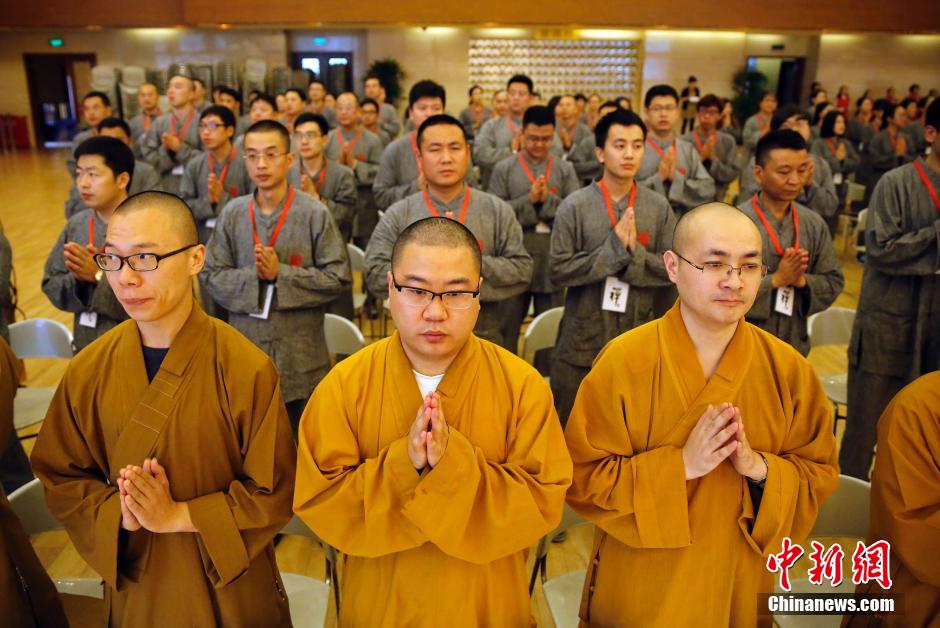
x=367 y=169
x=751 y=133
x=485 y=151
x=883 y=157
x=801 y=475
x=525 y=210
x=237 y=524
x=354 y=504
x=638 y=498
x=305 y=287
x=694 y=187
x=64 y=289
x=189 y=192
x=821 y=195
x=384 y=188
x=852 y=160
x=345 y=197
x=892 y=246
x=584 y=160
x=725 y=168
x=149 y=179
x=509 y=271
x=153 y=151
x=479 y=510
x=236 y=289
x=824 y=278
x=574 y=266
x=379 y=251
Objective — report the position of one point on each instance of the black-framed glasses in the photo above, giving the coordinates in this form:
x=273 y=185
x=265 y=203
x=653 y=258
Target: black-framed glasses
x=720 y=269
x=141 y=262
x=419 y=297
x=254 y=158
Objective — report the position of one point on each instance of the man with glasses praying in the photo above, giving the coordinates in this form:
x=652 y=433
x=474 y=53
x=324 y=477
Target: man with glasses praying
x=433 y=459
x=369 y=119
x=166 y=452
x=671 y=165
x=507 y=266
x=71 y=279
x=275 y=261
x=534 y=183
x=700 y=442
x=804 y=276
x=173 y=138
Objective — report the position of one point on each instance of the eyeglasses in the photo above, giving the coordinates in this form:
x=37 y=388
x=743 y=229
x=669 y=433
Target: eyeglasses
x=254 y=158
x=535 y=139
x=719 y=269
x=141 y=262
x=419 y=297
x=210 y=126
x=663 y=108
x=310 y=136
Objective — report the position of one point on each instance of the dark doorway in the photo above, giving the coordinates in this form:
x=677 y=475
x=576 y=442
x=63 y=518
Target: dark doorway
x=56 y=83
x=333 y=68
x=784 y=76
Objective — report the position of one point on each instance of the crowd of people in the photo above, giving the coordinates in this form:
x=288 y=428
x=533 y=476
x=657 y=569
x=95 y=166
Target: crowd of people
x=688 y=262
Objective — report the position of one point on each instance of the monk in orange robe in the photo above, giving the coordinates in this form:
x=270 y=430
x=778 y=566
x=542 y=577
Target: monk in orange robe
x=167 y=453
x=433 y=458
x=905 y=505
x=699 y=442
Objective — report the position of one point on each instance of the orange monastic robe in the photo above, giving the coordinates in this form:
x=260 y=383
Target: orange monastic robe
x=672 y=552
x=905 y=505
x=446 y=547
x=228 y=451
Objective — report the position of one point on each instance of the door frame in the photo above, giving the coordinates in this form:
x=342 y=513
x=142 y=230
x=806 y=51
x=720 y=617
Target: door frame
x=34 y=105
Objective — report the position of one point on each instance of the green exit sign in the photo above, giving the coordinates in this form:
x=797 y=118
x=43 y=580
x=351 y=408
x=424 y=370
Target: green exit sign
x=56 y=42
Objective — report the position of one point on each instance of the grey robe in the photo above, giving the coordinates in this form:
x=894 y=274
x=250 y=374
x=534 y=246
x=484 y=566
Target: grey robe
x=170 y=164
x=338 y=191
x=368 y=153
x=820 y=148
x=584 y=159
x=691 y=185
x=883 y=156
x=507 y=267
x=194 y=189
x=824 y=278
x=397 y=176
x=820 y=196
x=139 y=125
x=471 y=125
x=510 y=182
x=70 y=294
x=723 y=166
x=388 y=120
x=314 y=270
x=751 y=134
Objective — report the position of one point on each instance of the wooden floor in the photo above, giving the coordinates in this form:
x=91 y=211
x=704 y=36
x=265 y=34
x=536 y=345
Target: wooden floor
x=32 y=218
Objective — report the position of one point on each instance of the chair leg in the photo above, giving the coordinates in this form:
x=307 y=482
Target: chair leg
x=536 y=567
x=334 y=576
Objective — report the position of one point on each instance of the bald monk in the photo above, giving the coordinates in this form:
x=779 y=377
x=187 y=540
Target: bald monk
x=432 y=458
x=166 y=452
x=699 y=442
x=905 y=504
x=27 y=596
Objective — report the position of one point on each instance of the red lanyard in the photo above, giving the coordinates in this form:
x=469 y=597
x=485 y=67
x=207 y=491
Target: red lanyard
x=512 y=127
x=146 y=119
x=528 y=173
x=831 y=145
x=352 y=144
x=414 y=149
x=698 y=144
x=91 y=229
x=656 y=147
x=610 y=206
x=463 y=210
x=228 y=162
x=189 y=120
x=770 y=231
x=321 y=177
x=280 y=223
x=927 y=184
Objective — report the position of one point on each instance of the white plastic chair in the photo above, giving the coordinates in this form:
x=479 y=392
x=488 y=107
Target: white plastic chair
x=844 y=514
x=37 y=338
x=29 y=504
x=542 y=333
x=342 y=335
x=833 y=327
x=562 y=593
x=357 y=264
x=309 y=597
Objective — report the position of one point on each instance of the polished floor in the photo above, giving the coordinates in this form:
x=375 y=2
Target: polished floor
x=32 y=217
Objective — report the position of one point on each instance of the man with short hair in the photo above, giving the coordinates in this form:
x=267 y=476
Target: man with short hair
x=571 y=131
x=894 y=337
x=316 y=91
x=199 y=101
x=803 y=276
x=361 y=151
x=71 y=279
x=500 y=103
x=148 y=99
x=718 y=151
x=96 y=106
x=261 y=107
x=388 y=117
x=145 y=177
x=701 y=445
x=173 y=138
x=445 y=158
x=583 y=157
x=369 y=119
x=672 y=166
x=231 y=99
x=166 y=452
x=534 y=183
x=606 y=250
x=275 y=260
x=758 y=125
x=432 y=459
x=294 y=104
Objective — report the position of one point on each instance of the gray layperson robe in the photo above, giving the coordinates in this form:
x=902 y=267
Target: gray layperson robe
x=725 y=168
x=691 y=185
x=338 y=191
x=397 y=176
x=169 y=165
x=821 y=195
x=194 y=189
x=314 y=270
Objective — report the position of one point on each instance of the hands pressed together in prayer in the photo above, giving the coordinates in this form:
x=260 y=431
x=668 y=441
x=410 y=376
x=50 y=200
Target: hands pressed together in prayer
x=427 y=439
x=792 y=269
x=626 y=229
x=171 y=142
x=266 y=262
x=538 y=193
x=80 y=262
x=146 y=501
x=215 y=188
x=719 y=434
x=667 y=167
x=307 y=185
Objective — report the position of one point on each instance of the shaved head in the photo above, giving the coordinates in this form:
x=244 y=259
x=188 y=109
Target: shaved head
x=169 y=210
x=710 y=218
x=438 y=231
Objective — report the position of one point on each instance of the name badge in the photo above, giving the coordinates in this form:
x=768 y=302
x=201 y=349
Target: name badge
x=542 y=228
x=615 y=295
x=210 y=224
x=177 y=170
x=785 y=297
x=837 y=178
x=88 y=319
x=266 y=309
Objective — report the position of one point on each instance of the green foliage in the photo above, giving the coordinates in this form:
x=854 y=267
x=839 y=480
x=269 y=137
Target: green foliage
x=749 y=87
x=390 y=75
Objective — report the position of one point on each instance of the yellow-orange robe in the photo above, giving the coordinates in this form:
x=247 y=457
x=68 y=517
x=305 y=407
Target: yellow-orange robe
x=671 y=552
x=446 y=547
x=227 y=449
x=905 y=504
